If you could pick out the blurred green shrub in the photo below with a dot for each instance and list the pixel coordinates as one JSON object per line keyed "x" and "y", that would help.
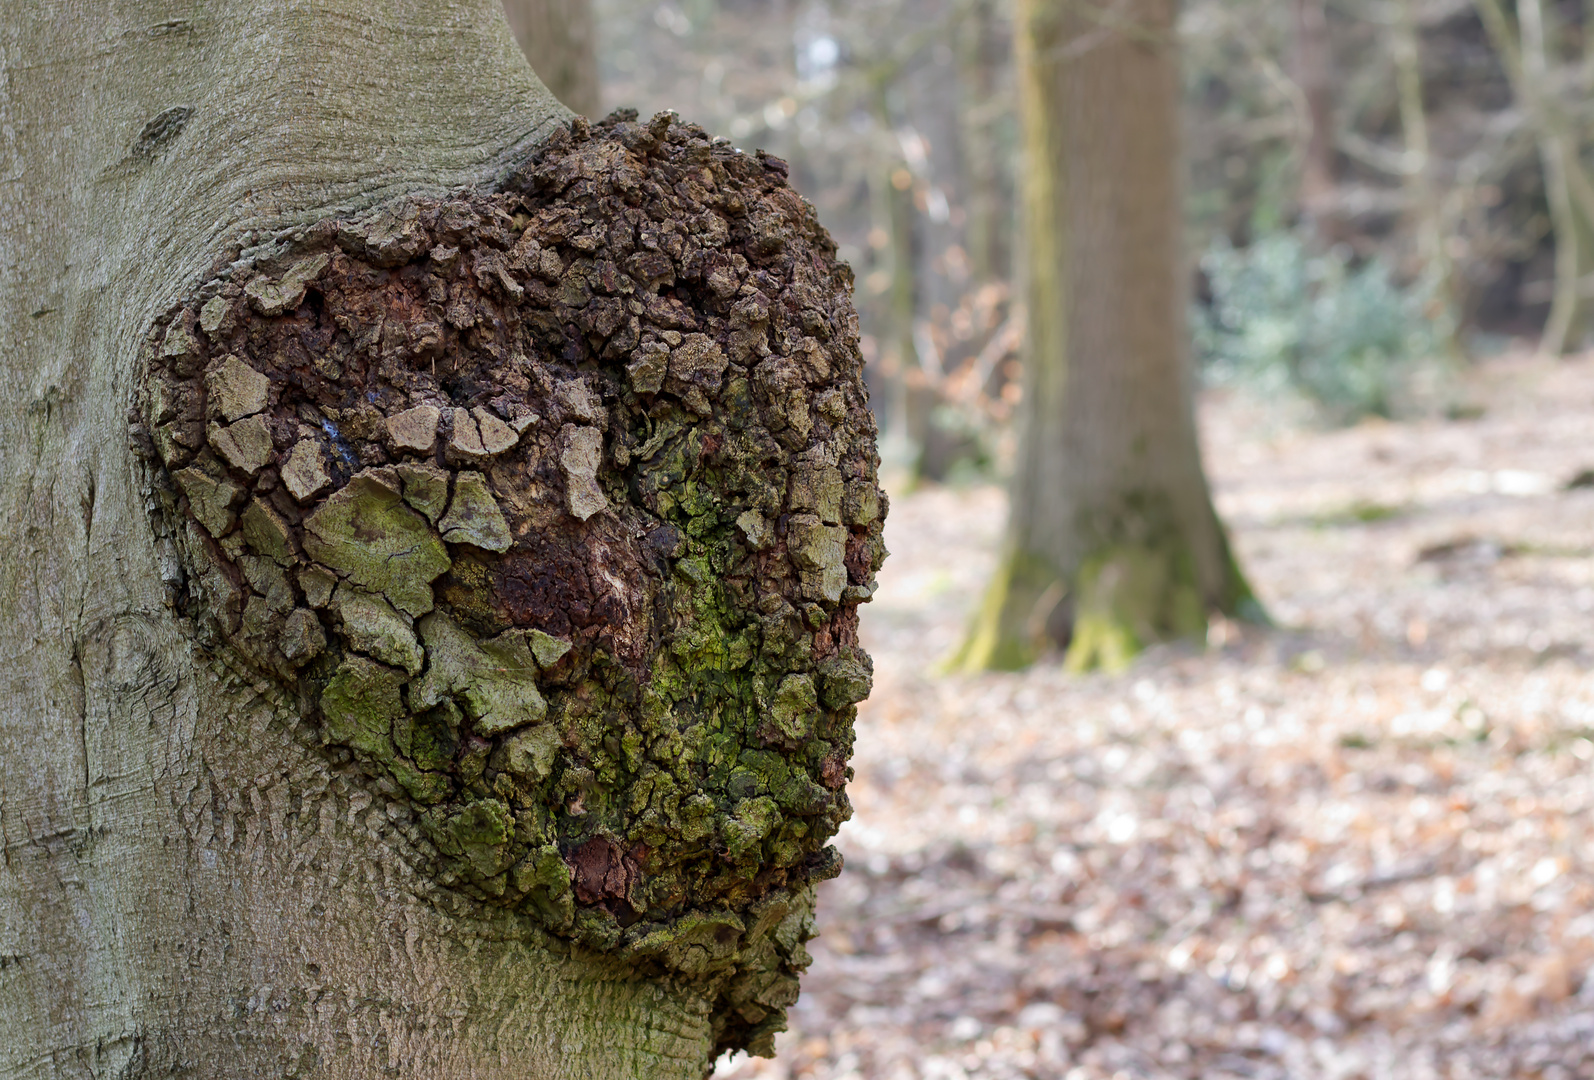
{"x": 1285, "y": 320}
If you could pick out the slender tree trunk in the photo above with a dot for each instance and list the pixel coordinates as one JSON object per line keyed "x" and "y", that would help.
{"x": 977, "y": 65}
{"x": 1567, "y": 187}
{"x": 210, "y": 870}
{"x": 1426, "y": 207}
{"x": 561, "y": 42}
{"x": 1313, "y": 63}
{"x": 1112, "y": 540}
{"x": 1567, "y": 323}
{"x": 892, "y": 197}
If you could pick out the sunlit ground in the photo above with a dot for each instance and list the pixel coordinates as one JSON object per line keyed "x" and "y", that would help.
{"x": 1361, "y": 845}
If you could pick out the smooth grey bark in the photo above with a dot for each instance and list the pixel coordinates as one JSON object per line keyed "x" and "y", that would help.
{"x": 184, "y": 887}
{"x": 560, "y": 41}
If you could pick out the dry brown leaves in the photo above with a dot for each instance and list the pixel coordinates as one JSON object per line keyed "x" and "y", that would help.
{"x": 1361, "y": 845}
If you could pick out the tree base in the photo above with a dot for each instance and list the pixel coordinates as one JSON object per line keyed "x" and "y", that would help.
{"x": 1120, "y": 600}
{"x": 1010, "y": 630}
{"x": 1129, "y": 597}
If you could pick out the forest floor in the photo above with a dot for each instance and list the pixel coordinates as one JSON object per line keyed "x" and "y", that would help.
{"x": 1358, "y": 845}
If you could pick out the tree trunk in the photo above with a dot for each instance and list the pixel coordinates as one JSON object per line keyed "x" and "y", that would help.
{"x": 978, "y": 60}
{"x": 560, "y": 41}
{"x": 1427, "y": 208}
{"x": 1313, "y": 62}
{"x": 1112, "y": 540}
{"x": 1567, "y": 324}
{"x": 891, "y": 189}
{"x": 1567, "y": 187}
{"x": 301, "y": 773}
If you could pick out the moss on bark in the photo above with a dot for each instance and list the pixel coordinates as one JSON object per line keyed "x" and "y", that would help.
{"x": 1139, "y": 584}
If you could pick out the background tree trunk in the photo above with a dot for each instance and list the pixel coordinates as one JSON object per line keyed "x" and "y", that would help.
{"x": 187, "y": 884}
{"x": 1112, "y": 540}
{"x": 1427, "y": 205}
{"x": 1568, "y": 190}
{"x": 561, "y": 42}
{"x": 1567, "y": 324}
{"x": 903, "y": 411}
{"x": 1313, "y": 63}
{"x": 978, "y": 60}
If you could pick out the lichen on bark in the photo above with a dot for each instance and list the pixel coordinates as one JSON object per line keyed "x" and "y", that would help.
{"x": 553, "y": 506}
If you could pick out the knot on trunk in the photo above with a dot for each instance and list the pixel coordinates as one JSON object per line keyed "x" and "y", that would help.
{"x": 553, "y": 506}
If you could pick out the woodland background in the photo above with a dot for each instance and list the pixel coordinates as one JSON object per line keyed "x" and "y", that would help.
{"x": 1314, "y": 189}
{"x": 1359, "y": 843}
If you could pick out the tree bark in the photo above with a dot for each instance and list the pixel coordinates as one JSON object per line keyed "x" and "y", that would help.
{"x": 560, "y": 41}
{"x": 201, "y": 872}
{"x": 1112, "y": 541}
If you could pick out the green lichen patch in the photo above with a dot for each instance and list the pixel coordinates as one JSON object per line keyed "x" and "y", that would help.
{"x": 529, "y": 754}
{"x": 425, "y": 488}
{"x": 554, "y": 506}
{"x": 365, "y": 531}
{"x": 473, "y": 516}
{"x": 845, "y": 678}
{"x": 360, "y": 704}
{"x": 494, "y": 681}
{"x": 548, "y": 649}
{"x": 372, "y": 626}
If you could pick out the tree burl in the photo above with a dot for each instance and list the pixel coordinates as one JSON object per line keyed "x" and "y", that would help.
{"x": 551, "y": 506}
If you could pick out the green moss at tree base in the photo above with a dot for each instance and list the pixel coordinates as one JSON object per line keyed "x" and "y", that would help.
{"x": 1023, "y": 592}
{"x": 1122, "y": 598}
{"x": 1128, "y": 597}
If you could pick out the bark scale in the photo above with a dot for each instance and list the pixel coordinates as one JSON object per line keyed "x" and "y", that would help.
{"x": 198, "y": 875}
{"x": 1112, "y": 540}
